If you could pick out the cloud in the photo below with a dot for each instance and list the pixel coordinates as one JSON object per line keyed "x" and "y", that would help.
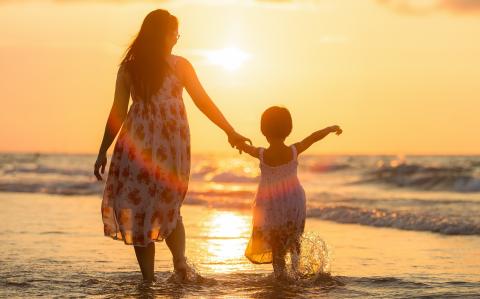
{"x": 325, "y": 6}
{"x": 401, "y": 6}
{"x": 429, "y": 6}
{"x": 86, "y": 1}
{"x": 180, "y": 1}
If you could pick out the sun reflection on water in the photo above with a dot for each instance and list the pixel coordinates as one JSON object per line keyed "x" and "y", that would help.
{"x": 228, "y": 225}
{"x": 228, "y": 234}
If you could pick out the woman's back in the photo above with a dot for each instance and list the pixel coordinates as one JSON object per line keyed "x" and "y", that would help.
{"x": 150, "y": 167}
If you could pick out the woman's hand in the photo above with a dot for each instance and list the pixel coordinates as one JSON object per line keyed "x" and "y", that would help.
{"x": 236, "y": 139}
{"x": 100, "y": 164}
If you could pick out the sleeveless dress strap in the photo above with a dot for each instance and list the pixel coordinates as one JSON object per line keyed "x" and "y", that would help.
{"x": 260, "y": 154}
{"x": 173, "y": 67}
{"x": 294, "y": 152}
{"x": 175, "y": 59}
{"x": 173, "y": 63}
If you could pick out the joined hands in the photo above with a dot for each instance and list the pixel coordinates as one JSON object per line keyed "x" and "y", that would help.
{"x": 236, "y": 140}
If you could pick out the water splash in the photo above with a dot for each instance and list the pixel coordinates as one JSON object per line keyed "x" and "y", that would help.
{"x": 191, "y": 276}
{"x": 313, "y": 261}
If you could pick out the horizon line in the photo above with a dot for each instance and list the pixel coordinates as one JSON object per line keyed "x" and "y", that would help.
{"x": 236, "y": 153}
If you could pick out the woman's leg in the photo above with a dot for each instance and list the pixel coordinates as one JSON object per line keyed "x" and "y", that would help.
{"x": 176, "y": 243}
{"x": 146, "y": 261}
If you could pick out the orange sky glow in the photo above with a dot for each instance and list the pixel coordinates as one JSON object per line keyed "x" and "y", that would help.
{"x": 400, "y": 77}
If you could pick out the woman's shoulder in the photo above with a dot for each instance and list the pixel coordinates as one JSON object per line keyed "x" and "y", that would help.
{"x": 183, "y": 68}
{"x": 181, "y": 62}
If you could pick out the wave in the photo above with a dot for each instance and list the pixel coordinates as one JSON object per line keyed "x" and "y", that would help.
{"x": 223, "y": 193}
{"x": 457, "y": 179}
{"x": 59, "y": 188}
{"x": 328, "y": 167}
{"x": 201, "y": 171}
{"x": 421, "y": 220}
{"x": 230, "y": 177}
{"x": 45, "y": 170}
{"x": 350, "y": 212}
{"x": 446, "y": 225}
{"x": 219, "y": 203}
{"x": 89, "y": 187}
{"x": 346, "y": 211}
{"x": 399, "y": 202}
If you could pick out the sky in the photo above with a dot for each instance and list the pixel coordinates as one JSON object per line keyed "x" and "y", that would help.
{"x": 400, "y": 77}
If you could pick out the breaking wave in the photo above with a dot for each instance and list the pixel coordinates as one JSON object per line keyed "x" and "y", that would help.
{"x": 397, "y": 219}
{"x": 455, "y": 179}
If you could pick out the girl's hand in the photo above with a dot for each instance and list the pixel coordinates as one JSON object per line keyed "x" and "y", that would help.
{"x": 336, "y": 129}
{"x": 236, "y": 139}
{"x": 100, "y": 163}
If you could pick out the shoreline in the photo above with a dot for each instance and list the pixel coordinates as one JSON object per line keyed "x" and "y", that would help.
{"x": 59, "y": 239}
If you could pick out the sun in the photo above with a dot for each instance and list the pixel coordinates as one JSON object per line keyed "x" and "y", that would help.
{"x": 230, "y": 58}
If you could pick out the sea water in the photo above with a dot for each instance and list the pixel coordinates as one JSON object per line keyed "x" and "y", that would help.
{"x": 423, "y": 193}
{"x": 408, "y": 227}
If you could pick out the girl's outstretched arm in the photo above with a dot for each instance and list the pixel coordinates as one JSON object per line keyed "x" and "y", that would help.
{"x": 117, "y": 115}
{"x": 316, "y": 136}
{"x": 203, "y": 101}
{"x": 249, "y": 149}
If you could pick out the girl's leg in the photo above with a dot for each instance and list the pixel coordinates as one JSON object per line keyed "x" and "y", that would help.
{"x": 295, "y": 251}
{"x": 176, "y": 244}
{"x": 278, "y": 259}
{"x": 146, "y": 261}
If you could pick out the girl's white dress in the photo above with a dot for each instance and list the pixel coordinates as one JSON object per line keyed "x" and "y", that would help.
{"x": 279, "y": 210}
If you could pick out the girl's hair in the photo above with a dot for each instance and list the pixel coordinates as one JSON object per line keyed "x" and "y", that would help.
{"x": 276, "y": 122}
{"x": 144, "y": 59}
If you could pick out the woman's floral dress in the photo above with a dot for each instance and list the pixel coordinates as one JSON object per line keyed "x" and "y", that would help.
{"x": 149, "y": 171}
{"x": 279, "y": 210}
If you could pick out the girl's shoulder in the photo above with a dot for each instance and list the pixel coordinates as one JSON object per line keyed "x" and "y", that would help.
{"x": 294, "y": 149}
{"x": 291, "y": 159}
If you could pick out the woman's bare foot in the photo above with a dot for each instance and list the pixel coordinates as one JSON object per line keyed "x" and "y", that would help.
{"x": 181, "y": 268}
{"x": 176, "y": 244}
{"x": 151, "y": 279}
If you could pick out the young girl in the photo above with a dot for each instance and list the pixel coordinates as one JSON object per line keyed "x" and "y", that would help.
{"x": 279, "y": 208}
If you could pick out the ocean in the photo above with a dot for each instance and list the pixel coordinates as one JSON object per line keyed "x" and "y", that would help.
{"x": 421, "y": 193}
{"x": 393, "y": 226}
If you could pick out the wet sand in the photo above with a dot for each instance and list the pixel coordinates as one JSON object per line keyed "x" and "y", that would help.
{"x": 54, "y": 246}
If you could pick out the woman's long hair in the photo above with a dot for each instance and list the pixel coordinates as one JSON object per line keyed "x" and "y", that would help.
{"x": 145, "y": 57}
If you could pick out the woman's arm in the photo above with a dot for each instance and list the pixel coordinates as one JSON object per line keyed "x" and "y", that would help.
{"x": 316, "y": 136}
{"x": 115, "y": 120}
{"x": 205, "y": 103}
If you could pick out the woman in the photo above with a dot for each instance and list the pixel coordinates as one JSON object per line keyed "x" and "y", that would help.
{"x": 149, "y": 172}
